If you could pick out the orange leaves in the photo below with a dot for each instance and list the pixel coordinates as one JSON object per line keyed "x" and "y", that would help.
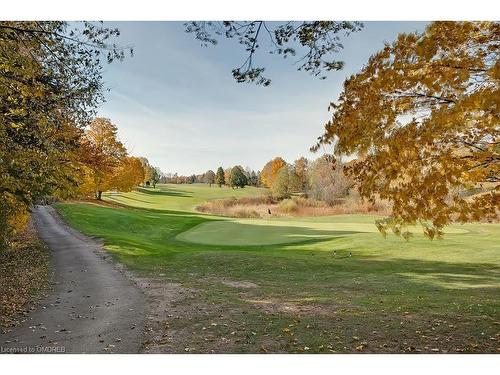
{"x": 270, "y": 171}
{"x": 105, "y": 159}
{"x": 424, "y": 113}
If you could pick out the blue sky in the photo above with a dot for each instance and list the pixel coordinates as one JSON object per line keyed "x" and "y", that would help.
{"x": 176, "y": 102}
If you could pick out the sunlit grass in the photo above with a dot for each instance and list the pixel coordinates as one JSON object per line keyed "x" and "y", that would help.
{"x": 338, "y": 263}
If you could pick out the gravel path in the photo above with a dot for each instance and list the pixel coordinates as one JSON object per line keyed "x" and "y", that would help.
{"x": 93, "y": 307}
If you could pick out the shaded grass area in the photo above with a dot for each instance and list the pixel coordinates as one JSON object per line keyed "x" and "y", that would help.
{"x": 310, "y": 296}
{"x": 24, "y": 276}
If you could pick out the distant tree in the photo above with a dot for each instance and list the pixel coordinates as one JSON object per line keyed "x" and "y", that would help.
{"x": 319, "y": 39}
{"x": 294, "y": 181}
{"x": 209, "y": 177}
{"x": 147, "y": 170}
{"x": 253, "y": 180}
{"x": 219, "y": 177}
{"x": 192, "y": 179}
{"x": 259, "y": 179}
{"x": 300, "y": 167}
{"x": 227, "y": 176}
{"x": 238, "y": 177}
{"x": 280, "y": 187}
{"x": 327, "y": 180}
{"x": 270, "y": 171}
{"x": 155, "y": 175}
{"x": 103, "y": 154}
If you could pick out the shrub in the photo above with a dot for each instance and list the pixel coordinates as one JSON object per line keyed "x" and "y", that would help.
{"x": 289, "y": 206}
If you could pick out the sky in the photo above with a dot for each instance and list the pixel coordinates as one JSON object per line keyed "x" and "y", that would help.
{"x": 176, "y": 102}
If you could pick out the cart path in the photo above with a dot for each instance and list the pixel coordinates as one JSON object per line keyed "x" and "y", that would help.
{"x": 93, "y": 306}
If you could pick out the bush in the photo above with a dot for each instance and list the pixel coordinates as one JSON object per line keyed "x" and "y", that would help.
{"x": 289, "y": 206}
{"x": 245, "y": 213}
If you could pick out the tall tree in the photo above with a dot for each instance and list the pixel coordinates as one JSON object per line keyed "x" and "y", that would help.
{"x": 227, "y": 176}
{"x": 301, "y": 166}
{"x": 155, "y": 175}
{"x": 319, "y": 40}
{"x": 220, "y": 178}
{"x": 209, "y": 177}
{"x": 280, "y": 187}
{"x": 128, "y": 174}
{"x": 422, "y": 115}
{"x": 327, "y": 181}
{"x": 253, "y": 180}
{"x": 270, "y": 171}
{"x": 50, "y": 85}
{"x": 238, "y": 177}
{"x": 147, "y": 170}
{"x": 104, "y": 154}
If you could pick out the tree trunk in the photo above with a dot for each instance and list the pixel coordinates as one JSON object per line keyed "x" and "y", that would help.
{"x": 99, "y": 195}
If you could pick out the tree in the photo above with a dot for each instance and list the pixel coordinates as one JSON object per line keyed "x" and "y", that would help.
{"x": 104, "y": 153}
{"x": 127, "y": 174}
{"x": 147, "y": 170}
{"x": 227, "y": 176}
{"x": 270, "y": 171}
{"x": 155, "y": 176}
{"x": 209, "y": 177}
{"x": 301, "y": 166}
{"x": 253, "y": 180}
{"x": 294, "y": 182}
{"x": 319, "y": 39}
{"x": 50, "y": 84}
{"x": 422, "y": 116}
{"x": 280, "y": 188}
{"x": 327, "y": 181}
{"x": 220, "y": 178}
{"x": 238, "y": 177}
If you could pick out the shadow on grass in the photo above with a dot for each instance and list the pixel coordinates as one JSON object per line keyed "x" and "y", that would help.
{"x": 146, "y": 239}
{"x": 230, "y": 233}
{"x": 165, "y": 192}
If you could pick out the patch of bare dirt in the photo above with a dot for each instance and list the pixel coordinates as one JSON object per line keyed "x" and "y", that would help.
{"x": 275, "y": 306}
{"x": 240, "y": 284}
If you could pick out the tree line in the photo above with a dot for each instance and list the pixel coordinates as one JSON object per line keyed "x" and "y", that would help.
{"x": 322, "y": 179}
{"x": 235, "y": 177}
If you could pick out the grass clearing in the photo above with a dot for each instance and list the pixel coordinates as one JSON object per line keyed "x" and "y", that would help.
{"x": 276, "y": 285}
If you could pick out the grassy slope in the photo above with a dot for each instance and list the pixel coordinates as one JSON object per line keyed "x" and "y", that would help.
{"x": 391, "y": 295}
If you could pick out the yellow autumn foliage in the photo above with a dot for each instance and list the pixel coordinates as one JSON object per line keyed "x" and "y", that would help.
{"x": 424, "y": 114}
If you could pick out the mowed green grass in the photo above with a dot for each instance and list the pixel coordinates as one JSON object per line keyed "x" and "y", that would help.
{"x": 257, "y": 232}
{"x": 178, "y": 197}
{"x": 310, "y": 295}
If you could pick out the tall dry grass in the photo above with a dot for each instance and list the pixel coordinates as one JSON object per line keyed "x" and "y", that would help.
{"x": 259, "y": 207}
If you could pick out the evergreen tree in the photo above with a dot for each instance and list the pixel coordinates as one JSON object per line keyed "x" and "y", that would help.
{"x": 219, "y": 178}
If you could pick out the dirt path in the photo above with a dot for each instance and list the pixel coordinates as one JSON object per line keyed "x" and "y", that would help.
{"x": 93, "y": 307}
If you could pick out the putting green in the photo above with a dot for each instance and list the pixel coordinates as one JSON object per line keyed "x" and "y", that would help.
{"x": 255, "y": 232}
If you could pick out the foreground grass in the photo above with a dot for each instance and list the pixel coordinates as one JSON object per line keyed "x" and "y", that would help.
{"x": 258, "y": 295}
